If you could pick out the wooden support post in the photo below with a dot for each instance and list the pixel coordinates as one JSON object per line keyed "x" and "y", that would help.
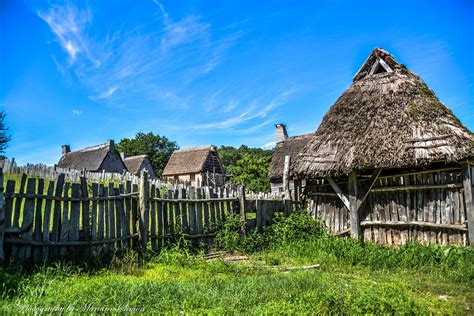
{"x": 468, "y": 197}
{"x": 143, "y": 197}
{"x": 243, "y": 219}
{"x": 286, "y": 177}
{"x": 355, "y": 223}
{"x": 2, "y": 217}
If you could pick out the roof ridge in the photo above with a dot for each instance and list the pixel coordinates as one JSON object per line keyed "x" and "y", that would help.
{"x": 206, "y": 147}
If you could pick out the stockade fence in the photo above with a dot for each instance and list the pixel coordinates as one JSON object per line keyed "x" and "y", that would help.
{"x": 44, "y": 220}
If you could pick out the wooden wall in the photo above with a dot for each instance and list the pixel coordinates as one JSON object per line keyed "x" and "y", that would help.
{"x": 428, "y": 207}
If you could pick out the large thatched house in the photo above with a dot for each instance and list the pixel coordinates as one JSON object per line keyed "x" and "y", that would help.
{"x": 196, "y": 166}
{"x": 97, "y": 158}
{"x": 390, "y": 162}
{"x": 135, "y": 164}
{"x": 285, "y": 146}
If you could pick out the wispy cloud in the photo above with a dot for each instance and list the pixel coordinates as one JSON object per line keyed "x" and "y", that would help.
{"x": 77, "y": 112}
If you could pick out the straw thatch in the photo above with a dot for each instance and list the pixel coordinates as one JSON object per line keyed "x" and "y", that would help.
{"x": 290, "y": 146}
{"x": 96, "y": 158}
{"x": 388, "y": 118}
{"x": 135, "y": 164}
{"x": 193, "y": 160}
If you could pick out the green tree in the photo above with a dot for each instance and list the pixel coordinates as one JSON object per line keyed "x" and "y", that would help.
{"x": 253, "y": 172}
{"x": 157, "y": 148}
{"x": 4, "y": 137}
{"x": 229, "y": 155}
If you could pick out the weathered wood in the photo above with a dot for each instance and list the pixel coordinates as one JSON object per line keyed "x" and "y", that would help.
{"x": 101, "y": 218}
{"x": 64, "y": 233}
{"x": 27, "y": 223}
{"x": 468, "y": 198}
{"x": 243, "y": 217}
{"x": 212, "y": 211}
{"x": 207, "y": 221}
{"x": 85, "y": 214}
{"x": 127, "y": 204}
{"x": 111, "y": 218}
{"x": 199, "y": 211}
{"x": 177, "y": 210}
{"x": 184, "y": 213}
{"x": 37, "y": 234}
{"x": 9, "y": 203}
{"x": 119, "y": 217}
{"x": 75, "y": 213}
{"x": 353, "y": 205}
{"x": 153, "y": 215}
{"x": 94, "y": 212}
{"x": 460, "y": 227}
{"x": 171, "y": 220}
{"x": 159, "y": 218}
{"x": 339, "y": 193}
{"x": 286, "y": 177}
{"x": 18, "y": 202}
{"x": 57, "y": 215}
{"x": 192, "y": 210}
{"x": 144, "y": 212}
{"x": 2, "y": 217}
{"x": 364, "y": 191}
{"x": 134, "y": 218}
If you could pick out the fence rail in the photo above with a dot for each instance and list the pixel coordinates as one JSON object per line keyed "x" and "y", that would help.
{"x": 47, "y": 219}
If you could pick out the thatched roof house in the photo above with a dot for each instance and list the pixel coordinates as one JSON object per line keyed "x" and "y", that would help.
{"x": 198, "y": 166}
{"x": 285, "y": 146}
{"x": 388, "y": 118}
{"x": 97, "y": 158}
{"x": 135, "y": 164}
{"x": 390, "y": 163}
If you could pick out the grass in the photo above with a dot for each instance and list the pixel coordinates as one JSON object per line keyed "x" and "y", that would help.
{"x": 353, "y": 278}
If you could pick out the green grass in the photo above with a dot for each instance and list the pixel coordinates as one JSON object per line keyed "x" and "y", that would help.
{"x": 353, "y": 278}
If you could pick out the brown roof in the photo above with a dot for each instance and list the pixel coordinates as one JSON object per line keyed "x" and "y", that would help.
{"x": 291, "y": 146}
{"x": 89, "y": 158}
{"x": 134, "y": 163}
{"x": 386, "y": 119}
{"x": 193, "y": 160}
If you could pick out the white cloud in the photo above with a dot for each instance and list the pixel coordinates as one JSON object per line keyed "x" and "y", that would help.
{"x": 77, "y": 112}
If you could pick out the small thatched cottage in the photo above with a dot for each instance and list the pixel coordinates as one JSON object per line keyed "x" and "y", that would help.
{"x": 196, "y": 166}
{"x": 285, "y": 146}
{"x": 97, "y": 158}
{"x": 135, "y": 164}
{"x": 390, "y": 163}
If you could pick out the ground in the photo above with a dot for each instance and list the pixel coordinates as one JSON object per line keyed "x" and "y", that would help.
{"x": 179, "y": 282}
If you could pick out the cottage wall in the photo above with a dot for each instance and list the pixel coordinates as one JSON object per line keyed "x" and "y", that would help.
{"x": 401, "y": 208}
{"x": 112, "y": 163}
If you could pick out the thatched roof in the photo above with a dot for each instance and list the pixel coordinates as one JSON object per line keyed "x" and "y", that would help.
{"x": 388, "y": 118}
{"x": 134, "y": 164}
{"x": 89, "y": 158}
{"x": 193, "y": 160}
{"x": 291, "y": 146}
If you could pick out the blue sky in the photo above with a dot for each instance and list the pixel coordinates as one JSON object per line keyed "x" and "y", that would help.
{"x": 210, "y": 72}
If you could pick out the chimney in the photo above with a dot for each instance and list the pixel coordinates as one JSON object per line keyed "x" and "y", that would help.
{"x": 281, "y": 133}
{"x": 65, "y": 149}
{"x": 111, "y": 144}
{"x": 123, "y": 156}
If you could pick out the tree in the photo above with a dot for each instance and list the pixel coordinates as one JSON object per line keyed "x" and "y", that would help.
{"x": 253, "y": 172}
{"x": 157, "y": 148}
{"x": 4, "y": 137}
{"x": 229, "y": 155}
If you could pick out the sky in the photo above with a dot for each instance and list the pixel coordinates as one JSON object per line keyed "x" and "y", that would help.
{"x": 210, "y": 72}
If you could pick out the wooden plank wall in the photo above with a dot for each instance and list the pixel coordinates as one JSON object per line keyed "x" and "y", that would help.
{"x": 427, "y": 207}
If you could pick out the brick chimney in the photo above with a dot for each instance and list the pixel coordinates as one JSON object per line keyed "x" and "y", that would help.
{"x": 111, "y": 144}
{"x": 65, "y": 149}
{"x": 281, "y": 133}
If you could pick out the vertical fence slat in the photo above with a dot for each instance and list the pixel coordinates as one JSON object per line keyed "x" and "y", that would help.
{"x": 199, "y": 208}
{"x": 184, "y": 212}
{"x": 144, "y": 211}
{"x": 134, "y": 216}
{"x": 10, "y": 189}
{"x": 127, "y": 214}
{"x": 212, "y": 211}
{"x": 166, "y": 230}
{"x": 47, "y": 220}
{"x": 54, "y": 251}
{"x": 95, "y": 205}
{"x": 153, "y": 235}
{"x": 2, "y": 218}
{"x": 206, "y": 215}
{"x": 177, "y": 211}
{"x": 28, "y": 217}
{"x": 111, "y": 218}
{"x": 118, "y": 219}
{"x": 85, "y": 214}
{"x": 101, "y": 229}
{"x": 37, "y": 234}
{"x": 160, "y": 239}
{"x": 64, "y": 230}
{"x": 170, "y": 215}
{"x": 18, "y": 202}
{"x": 75, "y": 214}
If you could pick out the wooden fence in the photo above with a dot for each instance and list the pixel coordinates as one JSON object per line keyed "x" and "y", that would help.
{"x": 431, "y": 206}
{"x": 42, "y": 219}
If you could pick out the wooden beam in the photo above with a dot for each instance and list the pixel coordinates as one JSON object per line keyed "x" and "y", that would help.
{"x": 353, "y": 203}
{"x": 143, "y": 198}
{"x": 366, "y": 190}
{"x": 468, "y": 197}
{"x": 339, "y": 193}
{"x": 286, "y": 177}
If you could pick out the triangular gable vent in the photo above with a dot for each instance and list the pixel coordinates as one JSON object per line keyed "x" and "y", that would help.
{"x": 380, "y": 67}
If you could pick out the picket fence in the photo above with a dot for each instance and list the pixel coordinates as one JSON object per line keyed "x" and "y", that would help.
{"x": 43, "y": 219}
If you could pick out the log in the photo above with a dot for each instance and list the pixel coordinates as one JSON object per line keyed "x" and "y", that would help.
{"x": 462, "y": 227}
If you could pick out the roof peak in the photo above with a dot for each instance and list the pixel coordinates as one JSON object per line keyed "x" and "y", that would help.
{"x": 379, "y": 61}
{"x": 207, "y": 147}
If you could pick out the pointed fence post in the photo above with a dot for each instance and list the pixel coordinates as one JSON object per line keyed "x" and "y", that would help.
{"x": 243, "y": 219}
{"x": 468, "y": 197}
{"x": 143, "y": 200}
{"x": 286, "y": 177}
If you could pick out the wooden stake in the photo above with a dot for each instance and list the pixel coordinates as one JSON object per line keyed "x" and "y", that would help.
{"x": 468, "y": 197}
{"x": 353, "y": 201}
{"x": 243, "y": 220}
{"x": 143, "y": 197}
